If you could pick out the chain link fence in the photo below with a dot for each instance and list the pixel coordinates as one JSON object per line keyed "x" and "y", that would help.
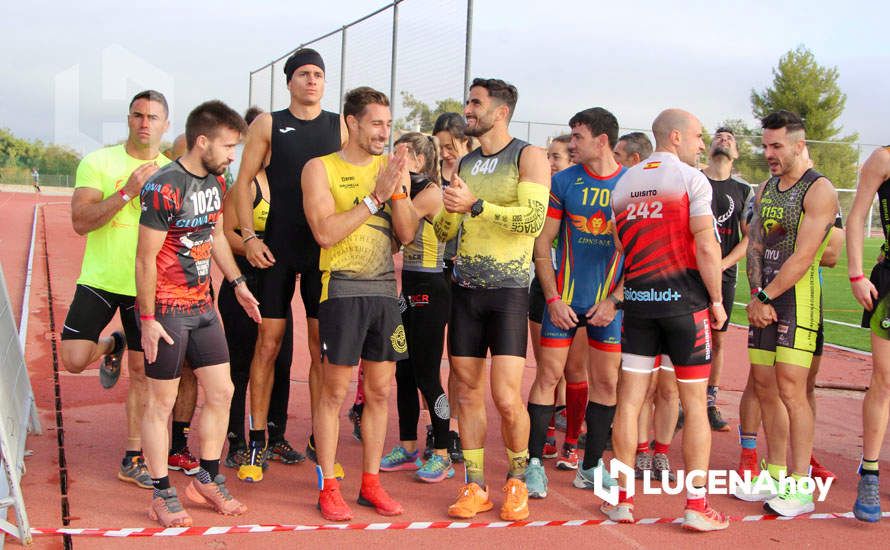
{"x": 415, "y": 51}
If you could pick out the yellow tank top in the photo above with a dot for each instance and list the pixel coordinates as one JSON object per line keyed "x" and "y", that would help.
{"x": 361, "y": 264}
{"x": 260, "y": 211}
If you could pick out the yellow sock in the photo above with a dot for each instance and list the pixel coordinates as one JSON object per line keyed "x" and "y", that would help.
{"x": 517, "y": 463}
{"x": 776, "y": 471}
{"x": 474, "y": 462}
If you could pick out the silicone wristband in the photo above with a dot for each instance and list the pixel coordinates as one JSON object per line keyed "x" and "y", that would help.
{"x": 399, "y": 196}
{"x": 146, "y": 317}
{"x": 124, "y": 195}
{"x": 857, "y": 278}
{"x": 551, "y": 300}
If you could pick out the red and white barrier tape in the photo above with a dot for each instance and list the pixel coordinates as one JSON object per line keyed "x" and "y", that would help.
{"x": 414, "y": 525}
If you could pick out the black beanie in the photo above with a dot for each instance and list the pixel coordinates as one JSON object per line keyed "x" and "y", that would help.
{"x": 304, "y": 56}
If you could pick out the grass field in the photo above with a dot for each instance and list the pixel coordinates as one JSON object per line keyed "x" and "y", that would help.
{"x": 837, "y": 299}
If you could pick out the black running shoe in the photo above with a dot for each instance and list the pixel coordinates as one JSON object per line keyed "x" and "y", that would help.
{"x": 282, "y": 451}
{"x": 430, "y": 443}
{"x": 110, "y": 369}
{"x": 716, "y": 420}
{"x": 454, "y": 449}
{"x": 355, "y": 416}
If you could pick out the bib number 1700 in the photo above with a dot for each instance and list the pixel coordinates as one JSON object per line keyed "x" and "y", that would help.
{"x": 644, "y": 210}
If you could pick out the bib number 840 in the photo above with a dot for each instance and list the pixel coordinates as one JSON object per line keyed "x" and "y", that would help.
{"x": 644, "y": 210}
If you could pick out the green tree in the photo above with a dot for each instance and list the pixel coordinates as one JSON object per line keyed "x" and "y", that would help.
{"x": 803, "y": 86}
{"x": 422, "y": 116}
{"x": 18, "y": 156}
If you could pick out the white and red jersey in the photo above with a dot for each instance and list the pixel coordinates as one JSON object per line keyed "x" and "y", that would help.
{"x": 652, "y": 205}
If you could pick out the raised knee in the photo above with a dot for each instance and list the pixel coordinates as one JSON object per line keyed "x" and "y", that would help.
{"x": 75, "y": 363}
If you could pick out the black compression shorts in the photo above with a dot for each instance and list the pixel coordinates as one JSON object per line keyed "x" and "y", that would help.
{"x": 364, "y": 327}
{"x": 278, "y": 282}
{"x": 685, "y": 339}
{"x": 198, "y": 338}
{"x": 92, "y": 309}
{"x": 488, "y": 319}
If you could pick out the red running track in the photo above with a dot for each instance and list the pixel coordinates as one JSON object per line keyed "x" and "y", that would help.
{"x": 94, "y": 437}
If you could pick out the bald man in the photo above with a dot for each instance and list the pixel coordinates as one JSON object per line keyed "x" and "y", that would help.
{"x": 672, "y": 298}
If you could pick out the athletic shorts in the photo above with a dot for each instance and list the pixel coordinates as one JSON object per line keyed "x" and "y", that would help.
{"x": 91, "y": 311}
{"x": 363, "y": 327}
{"x": 878, "y": 320}
{"x": 486, "y": 319}
{"x": 683, "y": 341}
{"x": 197, "y": 337}
{"x": 279, "y": 281}
{"x": 820, "y": 341}
{"x": 607, "y": 338}
{"x": 792, "y": 339}
{"x": 728, "y": 299}
{"x": 536, "y": 302}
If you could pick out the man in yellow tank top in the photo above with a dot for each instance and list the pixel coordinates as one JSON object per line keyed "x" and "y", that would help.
{"x": 498, "y": 203}
{"x": 356, "y": 204}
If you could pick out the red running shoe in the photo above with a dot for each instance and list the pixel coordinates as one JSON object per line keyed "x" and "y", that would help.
{"x": 748, "y": 462}
{"x": 375, "y": 496}
{"x": 331, "y": 503}
{"x": 183, "y": 460}
{"x": 817, "y": 470}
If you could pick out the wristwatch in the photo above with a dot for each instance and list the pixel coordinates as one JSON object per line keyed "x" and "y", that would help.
{"x": 476, "y": 209}
{"x": 762, "y": 296}
{"x": 237, "y": 281}
{"x": 615, "y": 301}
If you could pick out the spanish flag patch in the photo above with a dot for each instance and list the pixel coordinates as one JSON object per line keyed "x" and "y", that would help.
{"x": 652, "y": 165}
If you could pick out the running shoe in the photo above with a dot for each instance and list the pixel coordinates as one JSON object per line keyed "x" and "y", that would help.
{"x": 457, "y": 454}
{"x": 216, "y": 495}
{"x": 355, "y": 416}
{"x": 582, "y": 440}
{"x": 136, "y": 472}
{"x": 623, "y": 512}
{"x": 252, "y": 470}
{"x": 331, "y": 503}
{"x": 437, "y": 468}
{"x": 707, "y": 520}
{"x": 762, "y": 488}
{"x": 168, "y": 511}
{"x": 792, "y": 502}
{"x": 681, "y": 419}
{"x": 868, "y": 499}
{"x": 550, "y": 450}
{"x": 584, "y": 479}
{"x": 642, "y": 465}
{"x": 568, "y": 458}
{"x": 236, "y": 456}
{"x": 339, "y": 473}
{"x": 282, "y": 451}
{"x": 110, "y": 369}
{"x": 661, "y": 464}
{"x": 376, "y": 497}
{"x": 536, "y": 479}
{"x": 515, "y": 507}
{"x": 399, "y": 459}
{"x": 748, "y": 463}
{"x": 562, "y": 422}
{"x": 430, "y": 443}
{"x": 471, "y": 500}
{"x": 716, "y": 420}
{"x": 817, "y": 470}
{"x": 183, "y": 460}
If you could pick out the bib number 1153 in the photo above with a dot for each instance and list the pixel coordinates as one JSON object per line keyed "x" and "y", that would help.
{"x": 644, "y": 210}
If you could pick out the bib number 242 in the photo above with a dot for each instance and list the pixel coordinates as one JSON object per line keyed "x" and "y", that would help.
{"x": 644, "y": 210}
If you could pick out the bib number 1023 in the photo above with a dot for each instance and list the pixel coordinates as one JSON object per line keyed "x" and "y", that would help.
{"x": 644, "y": 210}
{"x": 206, "y": 201}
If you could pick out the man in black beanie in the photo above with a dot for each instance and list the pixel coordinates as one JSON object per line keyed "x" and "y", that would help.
{"x": 282, "y": 142}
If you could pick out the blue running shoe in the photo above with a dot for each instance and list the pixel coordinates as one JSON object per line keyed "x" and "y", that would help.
{"x": 437, "y": 468}
{"x": 584, "y": 479}
{"x": 399, "y": 459}
{"x": 868, "y": 499}
{"x": 536, "y": 479}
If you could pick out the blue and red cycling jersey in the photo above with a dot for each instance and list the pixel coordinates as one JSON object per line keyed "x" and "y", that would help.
{"x": 588, "y": 265}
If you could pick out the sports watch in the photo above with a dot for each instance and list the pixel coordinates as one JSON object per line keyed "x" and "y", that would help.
{"x": 476, "y": 209}
{"x": 762, "y": 296}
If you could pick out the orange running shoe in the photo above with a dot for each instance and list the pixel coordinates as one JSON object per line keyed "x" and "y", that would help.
{"x": 375, "y": 496}
{"x": 216, "y": 495}
{"x": 471, "y": 500}
{"x": 168, "y": 511}
{"x": 331, "y": 503}
{"x": 515, "y": 506}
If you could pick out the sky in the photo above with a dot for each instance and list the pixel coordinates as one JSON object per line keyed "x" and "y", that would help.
{"x": 68, "y": 70}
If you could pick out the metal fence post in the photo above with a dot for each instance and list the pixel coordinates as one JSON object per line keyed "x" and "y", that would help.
{"x": 342, "y": 67}
{"x": 250, "y": 90}
{"x": 271, "y": 87}
{"x": 392, "y": 70}
{"x": 468, "y": 49}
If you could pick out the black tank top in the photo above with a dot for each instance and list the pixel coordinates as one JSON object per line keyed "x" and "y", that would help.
{"x": 884, "y": 209}
{"x": 294, "y": 142}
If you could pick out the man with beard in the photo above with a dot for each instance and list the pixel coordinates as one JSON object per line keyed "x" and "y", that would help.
{"x": 359, "y": 204}
{"x": 729, "y": 197}
{"x": 181, "y": 205}
{"x": 498, "y": 203}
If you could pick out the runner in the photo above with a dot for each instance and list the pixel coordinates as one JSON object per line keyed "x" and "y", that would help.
{"x": 793, "y": 213}
{"x": 354, "y": 218}
{"x": 730, "y": 195}
{"x": 560, "y": 158}
{"x": 632, "y": 149}
{"x": 662, "y": 209}
{"x": 497, "y": 202}
{"x": 579, "y": 295}
{"x": 181, "y": 205}
{"x": 874, "y": 295}
{"x": 35, "y": 179}
{"x": 425, "y": 303}
{"x": 241, "y": 333}
{"x": 102, "y": 208}
{"x": 282, "y": 142}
